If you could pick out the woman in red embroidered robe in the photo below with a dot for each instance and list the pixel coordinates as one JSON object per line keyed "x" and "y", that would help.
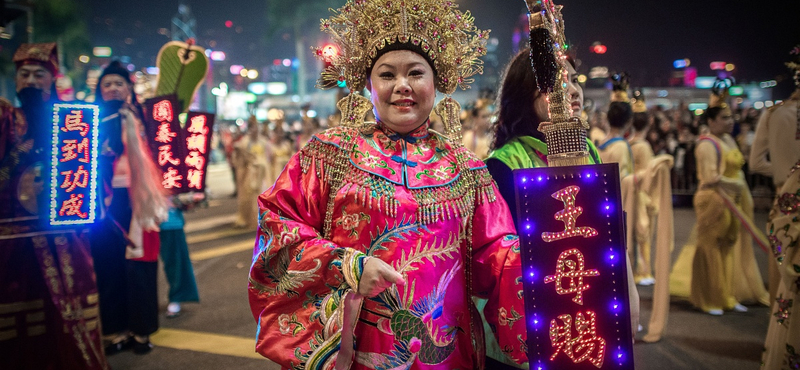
{"x": 374, "y": 238}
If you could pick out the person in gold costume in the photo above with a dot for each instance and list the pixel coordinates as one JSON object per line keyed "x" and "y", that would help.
{"x": 614, "y": 148}
{"x": 281, "y": 144}
{"x": 476, "y": 137}
{"x": 782, "y": 346}
{"x": 642, "y": 155}
{"x": 774, "y": 135}
{"x": 776, "y": 146}
{"x": 250, "y": 159}
{"x": 717, "y": 270}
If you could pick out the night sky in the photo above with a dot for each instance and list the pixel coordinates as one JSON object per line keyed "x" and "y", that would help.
{"x": 643, "y": 37}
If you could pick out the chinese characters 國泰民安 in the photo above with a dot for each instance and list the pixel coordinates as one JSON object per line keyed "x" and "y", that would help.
{"x": 162, "y": 113}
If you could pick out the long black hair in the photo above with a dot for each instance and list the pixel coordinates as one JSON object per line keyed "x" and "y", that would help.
{"x": 516, "y": 115}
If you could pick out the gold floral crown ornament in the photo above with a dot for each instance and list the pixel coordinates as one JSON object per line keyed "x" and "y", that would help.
{"x": 362, "y": 28}
{"x": 719, "y": 92}
{"x": 565, "y": 135}
{"x": 619, "y": 91}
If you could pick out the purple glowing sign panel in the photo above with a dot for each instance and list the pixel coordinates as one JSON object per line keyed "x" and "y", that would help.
{"x": 575, "y": 277}
{"x": 73, "y": 164}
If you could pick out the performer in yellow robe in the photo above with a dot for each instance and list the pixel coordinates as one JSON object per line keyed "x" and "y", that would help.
{"x": 644, "y": 216}
{"x": 776, "y": 147}
{"x": 614, "y": 148}
{"x": 476, "y": 137}
{"x": 250, "y": 160}
{"x": 782, "y": 347}
{"x": 717, "y": 269}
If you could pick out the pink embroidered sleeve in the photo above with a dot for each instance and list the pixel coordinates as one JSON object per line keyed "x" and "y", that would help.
{"x": 297, "y": 277}
{"x": 498, "y": 274}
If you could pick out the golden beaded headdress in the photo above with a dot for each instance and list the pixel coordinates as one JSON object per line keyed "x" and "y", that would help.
{"x": 565, "y": 135}
{"x": 719, "y": 92}
{"x": 637, "y": 102}
{"x": 362, "y": 28}
{"x": 619, "y": 90}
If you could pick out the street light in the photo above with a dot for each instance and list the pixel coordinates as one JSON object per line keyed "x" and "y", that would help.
{"x": 102, "y": 51}
{"x": 681, "y": 63}
{"x": 717, "y": 66}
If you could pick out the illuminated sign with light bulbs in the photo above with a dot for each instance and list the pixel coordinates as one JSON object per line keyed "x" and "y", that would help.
{"x": 166, "y": 142}
{"x": 73, "y": 168}
{"x": 575, "y": 276}
{"x": 181, "y": 153}
{"x": 198, "y": 131}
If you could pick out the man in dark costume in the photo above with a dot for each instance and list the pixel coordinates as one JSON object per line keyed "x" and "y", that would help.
{"x": 48, "y": 293}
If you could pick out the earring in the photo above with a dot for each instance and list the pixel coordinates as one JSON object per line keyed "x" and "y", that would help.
{"x": 354, "y": 108}
{"x": 449, "y": 110}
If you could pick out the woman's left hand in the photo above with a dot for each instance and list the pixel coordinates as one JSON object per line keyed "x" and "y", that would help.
{"x": 377, "y": 277}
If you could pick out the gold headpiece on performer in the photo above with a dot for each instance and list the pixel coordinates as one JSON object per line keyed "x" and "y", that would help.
{"x": 637, "y": 102}
{"x": 43, "y": 54}
{"x": 363, "y": 28}
{"x": 719, "y": 92}
{"x": 620, "y": 83}
{"x": 565, "y": 135}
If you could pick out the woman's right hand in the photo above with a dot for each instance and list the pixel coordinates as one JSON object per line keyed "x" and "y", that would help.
{"x": 377, "y": 277}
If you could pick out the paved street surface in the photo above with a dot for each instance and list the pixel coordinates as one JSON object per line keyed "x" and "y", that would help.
{"x": 218, "y": 332}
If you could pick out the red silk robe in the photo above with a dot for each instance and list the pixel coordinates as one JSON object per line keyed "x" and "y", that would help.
{"x": 423, "y": 205}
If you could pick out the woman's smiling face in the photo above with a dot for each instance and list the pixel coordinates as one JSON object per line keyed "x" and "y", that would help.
{"x": 402, "y": 88}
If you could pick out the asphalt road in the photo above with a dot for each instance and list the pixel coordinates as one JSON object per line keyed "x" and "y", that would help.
{"x": 218, "y": 332}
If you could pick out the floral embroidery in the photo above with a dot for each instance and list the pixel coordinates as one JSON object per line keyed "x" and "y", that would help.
{"x": 421, "y": 149}
{"x": 386, "y": 143}
{"x": 788, "y": 203}
{"x": 349, "y": 222}
{"x": 289, "y": 237}
{"x": 372, "y": 161}
{"x": 441, "y": 173}
{"x": 792, "y": 357}
{"x": 503, "y": 318}
{"x": 285, "y": 322}
{"x": 777, "y": 247}
{"x": 784, "y": 309}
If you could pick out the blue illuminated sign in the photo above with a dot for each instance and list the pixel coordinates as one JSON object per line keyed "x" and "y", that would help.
{"x": 73, "y": 169}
